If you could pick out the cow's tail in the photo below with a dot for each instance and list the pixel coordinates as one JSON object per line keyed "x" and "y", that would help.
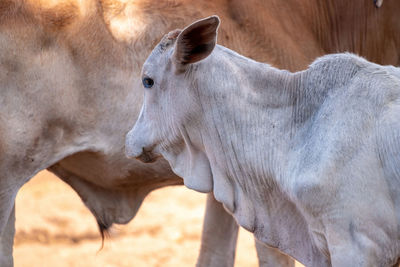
{"x": 104, "y": 231}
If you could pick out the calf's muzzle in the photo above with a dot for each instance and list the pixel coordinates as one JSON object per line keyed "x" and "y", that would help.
{"x": 137, "y": 146}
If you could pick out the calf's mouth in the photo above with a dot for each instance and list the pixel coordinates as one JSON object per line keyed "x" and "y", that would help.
{"x": 148, "y": 156}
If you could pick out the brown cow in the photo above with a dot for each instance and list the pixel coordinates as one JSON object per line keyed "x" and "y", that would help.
{"x": 70, "y": 73}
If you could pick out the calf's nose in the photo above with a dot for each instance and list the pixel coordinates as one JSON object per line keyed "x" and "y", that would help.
{"x": 133, "y": 144}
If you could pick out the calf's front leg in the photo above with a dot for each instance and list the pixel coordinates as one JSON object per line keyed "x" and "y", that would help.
{"x": 218, "y": 244}
{"x": 218, "y": 240}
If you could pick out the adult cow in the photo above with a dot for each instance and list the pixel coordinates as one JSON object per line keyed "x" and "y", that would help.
{"x": 68, "y": 80}
{"x": 308, "y": 161}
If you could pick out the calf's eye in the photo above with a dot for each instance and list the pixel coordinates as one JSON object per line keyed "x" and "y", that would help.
{"x": 147, "y": 82}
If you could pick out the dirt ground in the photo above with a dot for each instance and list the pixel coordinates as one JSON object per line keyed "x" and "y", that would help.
{"x": 54, "y": 228}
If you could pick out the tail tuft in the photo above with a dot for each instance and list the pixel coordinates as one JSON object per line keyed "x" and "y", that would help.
{"x": 103, "y": 228}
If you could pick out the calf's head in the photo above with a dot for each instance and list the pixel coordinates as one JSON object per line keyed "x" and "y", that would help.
{"x": 171, "y": 107}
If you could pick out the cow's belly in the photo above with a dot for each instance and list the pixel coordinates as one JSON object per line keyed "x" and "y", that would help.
{"x": 116, "y": 171}
{"x": 112, "y": 187}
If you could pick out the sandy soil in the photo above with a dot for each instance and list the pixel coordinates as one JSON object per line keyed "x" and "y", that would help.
{"x": 54, "y": 228}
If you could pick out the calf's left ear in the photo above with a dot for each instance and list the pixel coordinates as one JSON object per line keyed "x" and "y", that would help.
{"x": 196, "y": 41}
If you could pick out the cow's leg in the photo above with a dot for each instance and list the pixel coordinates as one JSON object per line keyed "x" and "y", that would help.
{"x": 7, "y": 241}
{"x": 218, "y": 242}
{"x": 7, "y": 225}
{"x": 270, "y": 257}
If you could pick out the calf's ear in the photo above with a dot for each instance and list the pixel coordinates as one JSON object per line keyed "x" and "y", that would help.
{"x": 196, "y": 41}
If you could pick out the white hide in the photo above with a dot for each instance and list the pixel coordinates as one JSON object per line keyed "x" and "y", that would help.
{"x": 308, "y": 161}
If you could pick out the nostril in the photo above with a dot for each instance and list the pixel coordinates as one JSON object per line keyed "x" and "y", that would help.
{"x": 147, "y": 156}
{"x": 148, "y": 149}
